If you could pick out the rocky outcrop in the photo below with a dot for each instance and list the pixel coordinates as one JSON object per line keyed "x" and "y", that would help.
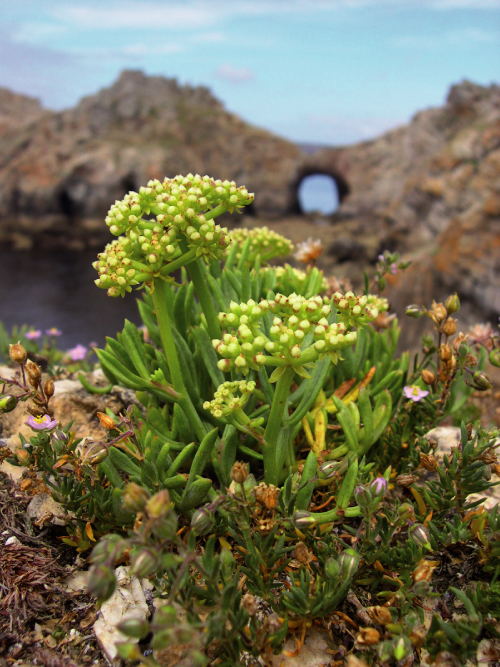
{"x": 60, "y": 172}
{"x": 430, "y": 188}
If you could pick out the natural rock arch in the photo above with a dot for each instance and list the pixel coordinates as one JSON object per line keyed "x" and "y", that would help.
{"x": 341, "y": 183}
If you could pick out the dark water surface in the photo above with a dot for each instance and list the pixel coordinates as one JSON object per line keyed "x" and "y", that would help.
{"x": 56, "y": 289}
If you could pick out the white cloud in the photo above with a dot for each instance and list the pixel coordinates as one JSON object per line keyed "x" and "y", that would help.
{"x": 195, "y": 14}
{"x": 31, "y": 33}
{"x": 457, "y": 37}
{"x": 235, "y": 74}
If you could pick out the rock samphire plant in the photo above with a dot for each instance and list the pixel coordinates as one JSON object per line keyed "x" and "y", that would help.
{"x": 275, "y": 472}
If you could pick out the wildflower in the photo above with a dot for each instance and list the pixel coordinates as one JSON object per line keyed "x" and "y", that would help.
{"x": 309, "y": 251}
{"x": 481, "y": 334}
{"x": 414, "y": 393}
{"x": 393, "y": 269}
{"x": 44, "y": 423}
{"x": 378, "y": 486}
{"x": 33, "y": 335}
{"x": 54, "y": 331}
{"x": 78, "y": 353}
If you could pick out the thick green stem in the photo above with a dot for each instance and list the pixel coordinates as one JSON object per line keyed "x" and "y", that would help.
{"x": 184, "y": 259}
{"x": 167, "y": 339}
{"x": 215, "y": 212}
{"x": 274, "y": 424}
{"x": 205, "y": 299}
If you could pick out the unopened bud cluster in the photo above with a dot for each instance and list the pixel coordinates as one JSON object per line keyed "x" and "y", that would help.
{"x": 145, "y": 246}
{"x": 263, "y": 242}
{"x": 225, "y": 399}
{"x": 298, "y": 323}
{"x": 357, "y": 310}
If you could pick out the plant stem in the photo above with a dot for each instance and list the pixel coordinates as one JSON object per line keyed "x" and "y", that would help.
{"x": 215, "y": 212}
{"x": 205, "y": 299}
{"x": 167, "y": 339}
{"x": 184, "y": 259}
{"x": 273, "y": 427}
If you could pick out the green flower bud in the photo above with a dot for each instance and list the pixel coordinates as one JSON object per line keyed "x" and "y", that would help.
{"x": 414, "y": 311}
{"x": 348, "y": 563}
{"x": 202, "y": 521}
{"x": 128, "y": 651}
{"x": 133, "y": 626}
{"x": 144, "y": 563}
{"x": 452, "y": 304}
{"x": 402, "y": 647}
{"x": 332, "y": 568}
{"x": 494, "y": 357}
{"x": 159, "y": 504}
{"x": 8, "y": 403}
{"x": 303, "y": 520}
{"x": 420, "y": 535}
{"x": 481, "y": 382}
{"x": 101, "y": 582}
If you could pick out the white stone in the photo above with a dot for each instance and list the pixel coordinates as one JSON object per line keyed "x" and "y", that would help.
{"x": 127, "y": 600}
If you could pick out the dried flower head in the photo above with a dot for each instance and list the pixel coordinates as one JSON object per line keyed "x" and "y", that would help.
{"x": 249, "y": 605}
{"x": 302, "y": 554}
{"x": 266, "y": 495}
{"x": 380, "y": 615}
{"x": 424, "y": 570}
{"x": 239, "y": 472}
{"x": 309, "y": 251}
{"x": 429, "y": 462}
{"x": 17, "y": 353}
{"x": 106, "y": 421}
{"x": 368, "y": 636}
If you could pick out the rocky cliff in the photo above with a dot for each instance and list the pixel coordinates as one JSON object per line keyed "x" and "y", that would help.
{"x": 430, "y": 188}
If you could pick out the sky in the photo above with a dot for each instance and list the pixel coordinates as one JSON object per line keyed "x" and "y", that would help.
{"x": 321, "y": 71}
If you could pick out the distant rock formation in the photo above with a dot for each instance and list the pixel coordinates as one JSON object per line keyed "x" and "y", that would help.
{"x": 430, "y": 188}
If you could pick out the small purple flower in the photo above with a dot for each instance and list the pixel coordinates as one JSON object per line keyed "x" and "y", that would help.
{"x": 93, "y": 345}
{"x": 381, "y": 258}
{"x": 393, "y": 269}
{"x": 44, "y": 423}
{"x": 54, "y": 331}
{"x": 78, "y": 353}
{"x": 378, "y": 486}
{"x": 33, "y": 335}
{"x": 414, "y": 393}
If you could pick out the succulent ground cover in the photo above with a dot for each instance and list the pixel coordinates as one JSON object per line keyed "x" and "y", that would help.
{"x": 275, "y": 473}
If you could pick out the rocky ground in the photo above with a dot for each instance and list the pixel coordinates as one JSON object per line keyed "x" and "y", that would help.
{"x": 46, "y": 618}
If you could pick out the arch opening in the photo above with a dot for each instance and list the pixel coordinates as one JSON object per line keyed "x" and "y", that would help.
{"x": 316, "y": 191}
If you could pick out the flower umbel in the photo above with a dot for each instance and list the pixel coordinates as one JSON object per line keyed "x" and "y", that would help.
{"x": 44, "y": 423}
{"x": 414, "y": 393}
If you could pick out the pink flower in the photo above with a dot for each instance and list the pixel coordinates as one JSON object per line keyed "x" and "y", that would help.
{"x": 33, "y": 335}
{"x": 78, "y": 353}
{"x": 44, "y": 423}
{"x": 414, "y": 393}
{"x": 53, "y": 332}
{"x": 393, "y": 269}
{"x": 378, "y": 486}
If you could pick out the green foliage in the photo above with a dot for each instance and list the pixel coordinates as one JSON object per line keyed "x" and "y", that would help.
{"x": 274, "y": 462}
